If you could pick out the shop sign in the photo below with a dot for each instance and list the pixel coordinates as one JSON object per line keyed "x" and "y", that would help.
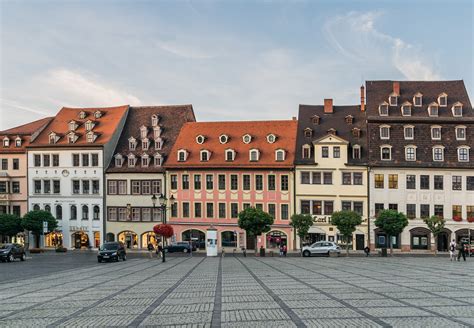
{"x": 73, "y": 228}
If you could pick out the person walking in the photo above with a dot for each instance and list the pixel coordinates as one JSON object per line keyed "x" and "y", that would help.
{"x": 159, "y": 250}
{"x": 452, "y": 250}
{"x": 367, "y": 251}
{"x": 462, "y": 250}
{"x": 151, "y": 248}
{"x": 281, "y": 250}
{"x": 285, "y": 249}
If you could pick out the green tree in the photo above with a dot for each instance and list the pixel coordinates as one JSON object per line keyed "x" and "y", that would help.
{"x": 392, "y": 223}
{"x": 255, "y": 222}
{"x": 301, "y": 223}
{"x": 436, "y": 225}
{"x": 346, "y": 222}
{"x": 33, "y": 222}
{"x": 10, "y": 225}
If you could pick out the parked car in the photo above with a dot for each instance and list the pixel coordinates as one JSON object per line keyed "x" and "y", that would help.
{"x": 321, "y": 247}
{"x": 181, "y": 246}
{"x": 112, "y": 251}
{"x": 10, "y": 252}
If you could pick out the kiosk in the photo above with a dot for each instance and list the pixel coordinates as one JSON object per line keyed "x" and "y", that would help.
{"x": 211, "y": 242}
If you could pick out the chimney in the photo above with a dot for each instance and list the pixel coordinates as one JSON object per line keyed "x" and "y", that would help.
{"x": 328, "y": 106}
{"x": 362, "y": 98}
{"x": 396, "y": 87}
{"x": 293, "y": 118}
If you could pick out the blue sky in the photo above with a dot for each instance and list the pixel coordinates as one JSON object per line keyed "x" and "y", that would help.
{"x": 233, "y": 60}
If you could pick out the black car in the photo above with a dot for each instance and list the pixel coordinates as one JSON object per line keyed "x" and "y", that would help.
{"x": 112, "y": 251}
{"x": 10, "y": 252}
{"x": 181, "y": 247}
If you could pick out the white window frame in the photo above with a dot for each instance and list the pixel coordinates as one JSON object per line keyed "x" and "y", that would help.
{"x": 72, "y": 125}
{"x": 385, "y": 105}
{"x": 442, "y": 153}
{"x": 90, "y": 136}
{"x": 158, "y": 160}
{"x": 131, "y": 160}
{"x": 252, "y": 152}
{"x": 414, "y": 153}
{"x": 391, "y": 97}
{"x": 89, "y": 125}
{"x": 156, "y": 132}
{"x": 459, "y": 128}
{"x": 405, "y": 105}
{"x": 143, "y": 132}
{"x": 466, "y": 148}
{"x": 443, "y": 95}
{"x": 246, "y": 136}
{"x": 418, "y": 95}
{"x": 132, "y": 143}
{"x": 227, "y": 151}
{"x": 282, "y": 153}
{"x": 223, "y": 139}
{"x": 388, "y": 130}
{"x": 118, "y": 160}
{"x": 271, "y": 138}
{"x": 306, "y": 146}
{"x": 52, "y": 138}
{"x": 145, "y": 144}
{"x": 97, "y": 114}
{"x": 434, "y": 128}
{"x": 71, "y": 138}
{"x": 431, "y": 107}
{"x": 201, "y": 154}
{"x": 453, "y": 109}
{"x": 353, "y": 153}
{"x": 200, "y": 139}
{"x": 154, "y": 120}
{"x": 159, "y": 143}
{"x": 405, "y": 129}
{"x": 145, "y": 160}
{"x": 18, "y": 142}
{"x": 82, "y": 115}
{"x": 381, "y": 152}
{"x": 185, "y": 155}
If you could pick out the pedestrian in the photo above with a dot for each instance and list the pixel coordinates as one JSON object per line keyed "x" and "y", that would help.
{"x": 159, "y": 250}
{"x": 462, "y": 250}
{"x": 281, "y": 250}
{"x": 223, "y": 252}
{"x": 150, "y": 249}
{"x": 285, "y": 249}
{"x": 244, "y": 251}
{"x": 367, "y": 251}
{"x": 452, "y": 250}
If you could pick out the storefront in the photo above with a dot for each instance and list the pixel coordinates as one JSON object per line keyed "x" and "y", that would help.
{"x": 197, "y": 236}
{"x": 80, "y": 239}
{"x": 229, "y": 239}
{"x": 54, "y": 239}
{"x": 382, "y": 241}
{"x": 420, "y": 238}
{"x": 129, "y": 238}
{"x": 276, "y": 238}
{"x": 148, "y": 237}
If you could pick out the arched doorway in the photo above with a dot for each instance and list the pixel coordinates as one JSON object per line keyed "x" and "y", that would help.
{"x": 420, "y": 238}
{"x": 197, "y": 236}
{"x": 444, "y": 238}
{"x": 129, "y": 238}
{"x": 53, "y": 239}
{"x": 276, "y": 238}
{"x": 110, "y": 236}
{"x": 381, "y": 239}
{"x": 80, "y": 239}
{"x": 464, "y": 234}
{"x": 228, "y": 239}
{"x": 96, "y": 239}
{"x": 148, "y": 237}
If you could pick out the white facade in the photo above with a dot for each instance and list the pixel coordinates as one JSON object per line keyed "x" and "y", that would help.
{"x": 85, "y": 229}
{"x": 406, "y": 191}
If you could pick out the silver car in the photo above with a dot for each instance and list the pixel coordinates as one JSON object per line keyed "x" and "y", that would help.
{"x": 321, "y": 247}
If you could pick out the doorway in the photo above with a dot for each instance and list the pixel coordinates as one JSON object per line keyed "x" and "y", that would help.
{"x": 443, "y": 242}
{"x": 360, "y": 242}
{"x": 250, "y": 241}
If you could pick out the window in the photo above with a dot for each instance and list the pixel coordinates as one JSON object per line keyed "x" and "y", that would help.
{"x": 136, "y": 187}
{"x": 378, "y": 207}
{"x": 122, "y": 187}
{"x": 135, "y": 214}
{"x": 359, "y": 208}
{"x": 6, "y": 142}
{"x": 118, "y": 160}
{"x": 336, "y": 152}
{"x": 436, "y": 133}
{"x": 156, "y": 187}
{"x": 424, "y": 182}
{"x": 3, "y": 188}
{"x": 271, "y": 138}
{"x": 457, "y": 211}
{"x": 317, "y": 207}
{"x": 52, "y": 138}
{"x": 305, "y": 207}
{"x": 112, "y": 214}
{"x": 145, "y": 160}
{"x": 15, "y": 187}
{"x": 46, "y": 160}
{"x": 346, "y": 178}
{"x": 247, "y": 138}
{"x": 197, "y": 182}
{"x": 439, "y": 210}
{"x": 17, "y": 142}
{"x": 308, "y": 133}
{"x": 85, "y": 186}
{"x": 131, "y": 160}
{"x": 433, "y": 110}
{"x": 158, "y": 143}
{"x": 393, "y": 99}
{"x": 306, "y": 151}
{"x": 356, "y": 152}
{"x": 393, "y": 181}
{"x": 463, "y": 154}
{"x": 158, "y": 160}
{"x": 460, "y": 133}
{"x": 200, "y": 139}
{"x": 234, "y": 210}
{"x": 258, "y": 182}
{"x": 284, "y": 182}
{"x": 424, "y": 211}
{"x": 438, "y": 154}
{"x": 384, "y": 132}
{"x": 409, "y": 132}
{"x": 73, "y": 212}
{"x": 443, "y": 100}
{"x": 272, "y": 210}
{"x": 209, "y": 210}
{"x": 112, "y": 187}
{"x": 411, "y": 211}
{"x": 271, "y": 182}
{"x": 197, "y": 210}
{"x": 316, "y": 178}
{"x": 76, "y": 186}
{"x": 457, "y": 182}
{"x": 346, "y": 206}
{"x": 223, "y": 139}
{"x": 122, "y": 214}
{"x": 209, "y": 182}
{"x": 146, "y": 214}
{"x": 146, "y": 187}
{"x": 222, "y": 214}
{"x": 357, "y": 178}
{"x": 185, "y": 210}
{"x": 411, "y": 182}
{"x": 438, "y": 182}
{"x": 234, "y": 182}
{"x": 469, "y": 183}
{"x": 327, "y": 178}
{"x": 246, "y": 182}
{"x": 418, "y": 100}
{"x": 4, "y": 164}
{"x": 75, "y": 159}
{"x": 383, "y": 109}
{"x": 221, "y": 181}
{"x": 457, "y": 110}
{"x": 284, "y": 214}
{"x": 96, "y": 212}
{"x": 406, "y": 110}
{"x": 132, "y": 144}
{"x": 154, "y": 120}
{"x": 56, "y": 186}
{"x": 156, "y": 133}
{"x": 85, "y": 159}
{"x": 410, "y": 153}
{"x": 46, "y": 186}
{"x": 85, "y": 212}
{"x": 393, "y": 207}
{"x": 229, "y": 155}
{"x": 90, "y": 137}
{"x": 204, "y": 155}
{"x": 470, "y": 211}
{"x": 279, "y": 155}
{"x": 174, "y": 181}
{"x": 174, "y": 210}
{"x": 182, "y": 155}
{"x": 143, "y": 132}
{"x": 328, "y": 207}
{"x": 59, "y": 212}
{"x": 305, "y": 178}
{"x": 386, "y": 153}
{"x": 37, "y": 160}
{"x": 55, "y": 159}
{"x": 254, "y": 155}
{"x": 185, "y": 181}
{"x": 379, "y": 180}
{"x": 325, "y": 152}
{"x": 72, "y": 125}
{"x": 36, "y": 207}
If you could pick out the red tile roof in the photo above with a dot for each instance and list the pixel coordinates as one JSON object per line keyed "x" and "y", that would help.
{"x": 104, "y": 127}
{"x": 25, "y": 132}
{"x": 285, "y": 132}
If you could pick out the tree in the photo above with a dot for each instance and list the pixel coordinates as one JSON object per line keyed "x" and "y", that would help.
{"x": 392, "y": 223}
{"x": 33, "y": 222}
{"x": 346, "y": 222}
{"x": 436, "y": 225}
{"x": 301, "y": 223}
{"x": 10, "y": 225}
{"x": 255, "y": 222}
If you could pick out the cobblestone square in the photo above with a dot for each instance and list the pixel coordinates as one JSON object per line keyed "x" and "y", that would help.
{"x": 245, "y": 292}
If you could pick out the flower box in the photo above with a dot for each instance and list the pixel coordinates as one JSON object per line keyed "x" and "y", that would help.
{"x": 471, "y": 219}
{"x": 457, "y": 218}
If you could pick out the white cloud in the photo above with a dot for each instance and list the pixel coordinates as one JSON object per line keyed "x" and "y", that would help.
{"x": 356, "y": 37}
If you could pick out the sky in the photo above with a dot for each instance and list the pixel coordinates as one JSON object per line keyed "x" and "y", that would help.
{"x": 232, "y": 60}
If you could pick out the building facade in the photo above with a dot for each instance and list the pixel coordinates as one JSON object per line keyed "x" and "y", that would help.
{"x": 66, "y": 166}
{"x": 136, "y": 173}
{"x": 421, "y": 136}
{"x": 13, "y": 170}
{"x": 215, "y": 170}
{"x": 330, "y": 168}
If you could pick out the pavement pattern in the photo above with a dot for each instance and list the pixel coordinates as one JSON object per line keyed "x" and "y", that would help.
{"x": 245, "y": 292}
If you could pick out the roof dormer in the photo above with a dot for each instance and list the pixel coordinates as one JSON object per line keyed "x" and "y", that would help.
{"x": 383, "y": 109}
{"x": 271, "y": 138}
{"x": 82, "y": 114}
{"x": 200, "y": 139}
{"x": 393, "y": 99}
{"x": 308, "y": 132}
{"x": 118, "y": 160}
{"x": 418, "y": 99}
{"x": 72, "y": 137}
{"x": 89, "y": 125}
{"x": 143, "y": 132}
{"x": 280, "y": 155}
{"x": 53, "y": 138}
{"x": 457, "y": 109}
{"x": 349, "y": 119}
{"x": 247, "y": 138}
{"x": 443, "y": 100}
{"x": 406, "y": 108}
{"x": 145, "y": 160}
{"x": 157, "y": 131}
{"x": 356, "y": 132}
{"x": 204, "y": 155}
{"x": 182, "y": 155}
{"x": 145, "y": 144}
{"x": 6, "y": 142}
{"x": 91, "y": 136}
{"x": 254, "y": 155}
{"x": 72, "y": 125}
{"x": 332, "y": 131}
{"x": 132, "y": 159}
{"x": 229, "y": 155}
{"x": 159, "y": 143}
{"x": 154, "y": 120}
{"x": 433, "y": 109}
{"x": 98, "y": 114}
{"x": 158, "y": 159}
{"x": 223, "y": 139}
{"x": 132, "y": 143}
{"x": 18, "y": 141}
{"x": 315, "y": 119}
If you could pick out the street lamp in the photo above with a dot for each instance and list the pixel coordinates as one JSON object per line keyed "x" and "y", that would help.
{"x": 163, "y": 205}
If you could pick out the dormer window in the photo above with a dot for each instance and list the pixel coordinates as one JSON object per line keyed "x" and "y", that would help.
{"x": 131, "y": 160}
{"x": 132, "y": 143}
{"x": 118, "y": 160}
{"x": 145, "y": 144}
{"x": 158, "y": 159}
{"x": 438, "y": 153}
{"x": 306, "y": 151}
{"x": 279, "y": 155}
{"x": 18, "y": 142}
{"x": 356, "y": 132}
{"x": 331, "y": 131}
{"x": 386, "y": 153}
{"x": 6, "y": 142}
{"x": 383, "y": 109}
{"x": 157, "y": 132}
{"x": 89, "y": 125}
{"x": 72, "y": 137}
{"x": 349, "y": 119}
{"x": 159, "y": 143}
{"x": 433, "y": 110}
{"x": 247, "y": 138}
{"x": 443, "y": 100}
{"x": 308, "y": 132}
{"x": 418, "y": 100}
{"x": 254, "y": 155}
{"x": 91, "y": 136}
{"x": 457, "y": 109}
{"x": 143, "y": 132}
{"x": 460, "y": 132}
{"x": 53, "y": 138}
{"x": 72, "y": 125}
{"x": 435, "y": 132}
{"x": 410, "y": 153}
{"x": 229, "y": 155}
{"x": 463, "y": 154}
{"x": 223, "y": 138}
{"x": 315, "y": 119}
{"x": 385, "y": 132}
{"x": 356, "y": 152}
{"x": 97, "y": 114}
{"x": 82, "y": 115}
{"x": 182, "y": 155}
{"x": 406, "y": 109}
{"x": 200, "y": 139}
{"x": 409, "y": 132}
{"x": 145, "y": 160}
{"x": 154, "y": 120}
{"x": 271, "y": 138}
{"x": 393, "y": 99}
{"x": 205, "y": 155}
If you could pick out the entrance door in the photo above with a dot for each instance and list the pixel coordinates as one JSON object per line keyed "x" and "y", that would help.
{"x": 250, "y": 242}
{"x": 77, "y": 240}
{"x": 443, "y": 242}
{"x": 360, "y": 240}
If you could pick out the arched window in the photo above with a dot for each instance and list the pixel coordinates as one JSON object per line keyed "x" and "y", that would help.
{"x": 47, "y": 208}
{"x": 205, "y": 155}
{"x": 229, "y": 155}
{"x": 279, "y": 155}
{"x": 96, "y": 212}
{"x": 59, "y": 212}
{"x": 182, "y": 155}
{"x": 73, "y": 212}
{"x": 386, "y": 153}
{"x": 229, "y": 239}
{"x": 36, "y": 207}
{"x": 306, "y": 151}
{"x": 254, "y": 155}
{"x": 460, "y": 132}
{"x": 85, "y": 212}
{"x": 463, "y": 154}
{"x": 457, "y": 109}
{"x": 433, "y": 109}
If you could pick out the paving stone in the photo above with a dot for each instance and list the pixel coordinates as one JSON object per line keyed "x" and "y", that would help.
{"x": 172, "y": 319}
{"x": 395, "y": 312}
{"x": 414, "y": 322}
{"x": 346, "y": 323}
{"x": 316, "y": 313}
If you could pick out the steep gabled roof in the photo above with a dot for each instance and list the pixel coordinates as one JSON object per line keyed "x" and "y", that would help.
{"x": 26, "y": 132}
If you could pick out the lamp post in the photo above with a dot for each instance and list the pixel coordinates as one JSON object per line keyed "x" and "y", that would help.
{"x": 163, "y": 205}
